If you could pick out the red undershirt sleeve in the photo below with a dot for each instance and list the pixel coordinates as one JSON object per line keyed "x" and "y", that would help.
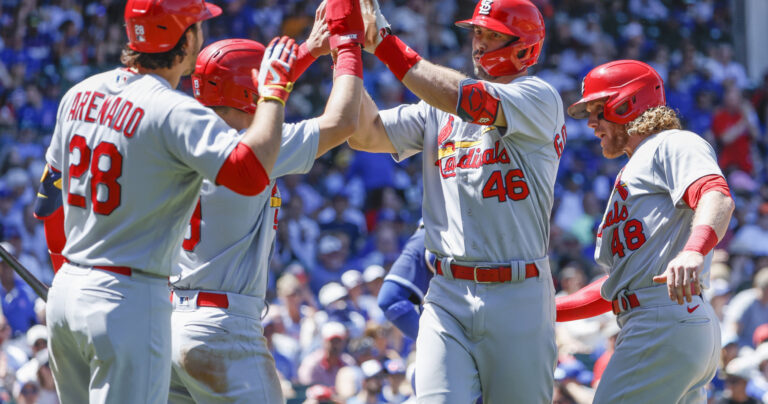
{"x": 712, "y": 182}
{"x": 242, "y": 172}
{"x": 585, "y": 303}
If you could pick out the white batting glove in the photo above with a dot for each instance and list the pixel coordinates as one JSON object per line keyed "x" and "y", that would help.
{"x": 376, "y": 26}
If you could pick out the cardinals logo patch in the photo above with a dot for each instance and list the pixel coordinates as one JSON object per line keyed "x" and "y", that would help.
{"x": 445, "y": 131}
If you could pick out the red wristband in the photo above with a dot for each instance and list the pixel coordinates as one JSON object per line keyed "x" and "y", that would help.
{"x": 349, "y": 62}
{"x": 303, "y": 60}
{"x": 702, "y": 240}
{"x": 398, "y": 56}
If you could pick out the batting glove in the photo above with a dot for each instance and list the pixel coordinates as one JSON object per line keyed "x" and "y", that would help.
{"x": 345, "y": 23}
{"x": 275, "y": 77}
{"x": 376, "y": 26}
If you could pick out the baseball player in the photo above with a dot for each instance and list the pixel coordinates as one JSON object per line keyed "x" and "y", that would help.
{"x": 404, "y": 287}
{"x": 491, "y": 148}
{"x": 130, "y": 153}
{"x": 669, "y": 207}
{"x": 220, "y": 353}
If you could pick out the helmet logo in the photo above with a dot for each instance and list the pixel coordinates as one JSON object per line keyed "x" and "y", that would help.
{"x": 196, "y": 85}
{"x": 485, "y": 7}
{"x": 582, "y": 85}
{"x": 139, "y": 30}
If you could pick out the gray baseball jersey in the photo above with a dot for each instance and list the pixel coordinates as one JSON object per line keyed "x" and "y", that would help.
{"x": 133, "y": 153}
{"x": 230, "y": 238}
{"x": 647, "y": 223}
{"x": 488, "y": 193}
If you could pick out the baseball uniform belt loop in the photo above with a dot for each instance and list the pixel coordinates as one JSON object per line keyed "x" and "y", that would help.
{"x": 445, "y": 262}
{"x": 624, "y": 302}
{"x": 517, "y": 271}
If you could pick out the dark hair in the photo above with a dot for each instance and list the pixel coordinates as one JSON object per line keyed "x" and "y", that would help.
{"x": 132, "y": 58}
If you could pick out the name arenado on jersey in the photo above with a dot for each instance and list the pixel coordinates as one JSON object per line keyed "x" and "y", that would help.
{"x": 116, "y": 113}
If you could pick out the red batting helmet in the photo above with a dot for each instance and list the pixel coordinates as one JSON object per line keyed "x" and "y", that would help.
{"x": 622, "y": 82}
{"x": 155, "y": 26}
{"x": 519, "y": 18}
{"x": 222, "y": 74}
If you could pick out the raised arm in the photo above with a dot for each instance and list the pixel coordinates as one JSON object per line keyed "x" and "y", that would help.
{"x": 340, "y": 118}
{"x": 275, "y": 82}
{"x": 711, "y": 200}
{"x": 441, "y": 87}
{"x": 370, "y": 135}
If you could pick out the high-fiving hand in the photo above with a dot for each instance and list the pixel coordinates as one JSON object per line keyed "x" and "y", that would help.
{"x": 276, "y": 75}
{"x": 345, "y": 23}
{"x": 376, "y": 26}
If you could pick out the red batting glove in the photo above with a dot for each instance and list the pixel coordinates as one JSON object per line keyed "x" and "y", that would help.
{"x": 345, "y": 23}
{"x": 276, "y": 74}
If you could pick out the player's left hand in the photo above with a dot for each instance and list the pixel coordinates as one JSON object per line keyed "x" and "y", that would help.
{"x": 317, "y": 43}
{"x": 682, "y": 276}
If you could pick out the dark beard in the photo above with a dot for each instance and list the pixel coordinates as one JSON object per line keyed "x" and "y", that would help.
{"x": 480, "y": 73}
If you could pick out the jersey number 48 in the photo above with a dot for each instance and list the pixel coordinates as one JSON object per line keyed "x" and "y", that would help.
{"x": 633, "y": 237}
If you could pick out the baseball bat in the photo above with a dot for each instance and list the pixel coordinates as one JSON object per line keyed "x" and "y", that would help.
{"x": 39, "y": 287}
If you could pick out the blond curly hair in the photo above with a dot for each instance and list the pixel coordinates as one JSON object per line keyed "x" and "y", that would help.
{"x": 654, "y": 120}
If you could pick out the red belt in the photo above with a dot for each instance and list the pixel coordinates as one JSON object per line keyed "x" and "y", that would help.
{"x": 630, "y": 302}
{"x": 127, "y": 271}
{"x": 210, "y": 299}
{"x": 488, "y": 274}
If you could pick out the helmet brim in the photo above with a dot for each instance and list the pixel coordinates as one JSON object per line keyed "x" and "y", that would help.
{"x": 213, "y": 11}
{"x": 578, "y": 110}
{"x": 489, "y": 23}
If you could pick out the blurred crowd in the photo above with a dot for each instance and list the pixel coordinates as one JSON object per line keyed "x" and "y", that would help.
{"x": 343, "y": 224}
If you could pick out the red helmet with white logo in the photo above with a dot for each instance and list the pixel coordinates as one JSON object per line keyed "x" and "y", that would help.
{"x": 222, "y": 74}
{"x": 622, "y": 82}
{"x": 155, "y": 26}
{"x": 519, "y": 18}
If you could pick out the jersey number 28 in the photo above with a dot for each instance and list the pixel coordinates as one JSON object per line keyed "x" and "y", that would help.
{"x": 105, "y": 165}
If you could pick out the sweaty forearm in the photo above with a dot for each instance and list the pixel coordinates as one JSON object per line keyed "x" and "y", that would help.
{"x": 438, "y": 86}
{"x": 714, "y": 210}
{"x": 370, "y": 135}
{"x": 340, "y": 119}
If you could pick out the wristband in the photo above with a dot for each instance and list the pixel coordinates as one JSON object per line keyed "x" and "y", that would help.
{"x": 303, "y": 60}
{"x": 398, "y": 56}
{"x": 349, "y": 62}
{"x": 702, "y": 240}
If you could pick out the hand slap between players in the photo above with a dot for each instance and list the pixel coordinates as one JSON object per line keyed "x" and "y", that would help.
{"x": 682, "y": 276}
{"x": 275, "y": 76}
{"x": 376, "y": 26}
{"x": 345, "y": 23}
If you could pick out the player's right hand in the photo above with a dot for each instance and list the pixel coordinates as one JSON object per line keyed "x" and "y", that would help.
{"x": 376, "y": 26}
{"x": 318, "y": 40}
{"x": 345, "y": 23}
{"x": 275, "y": 77}
{"x": 682, "y": 276}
